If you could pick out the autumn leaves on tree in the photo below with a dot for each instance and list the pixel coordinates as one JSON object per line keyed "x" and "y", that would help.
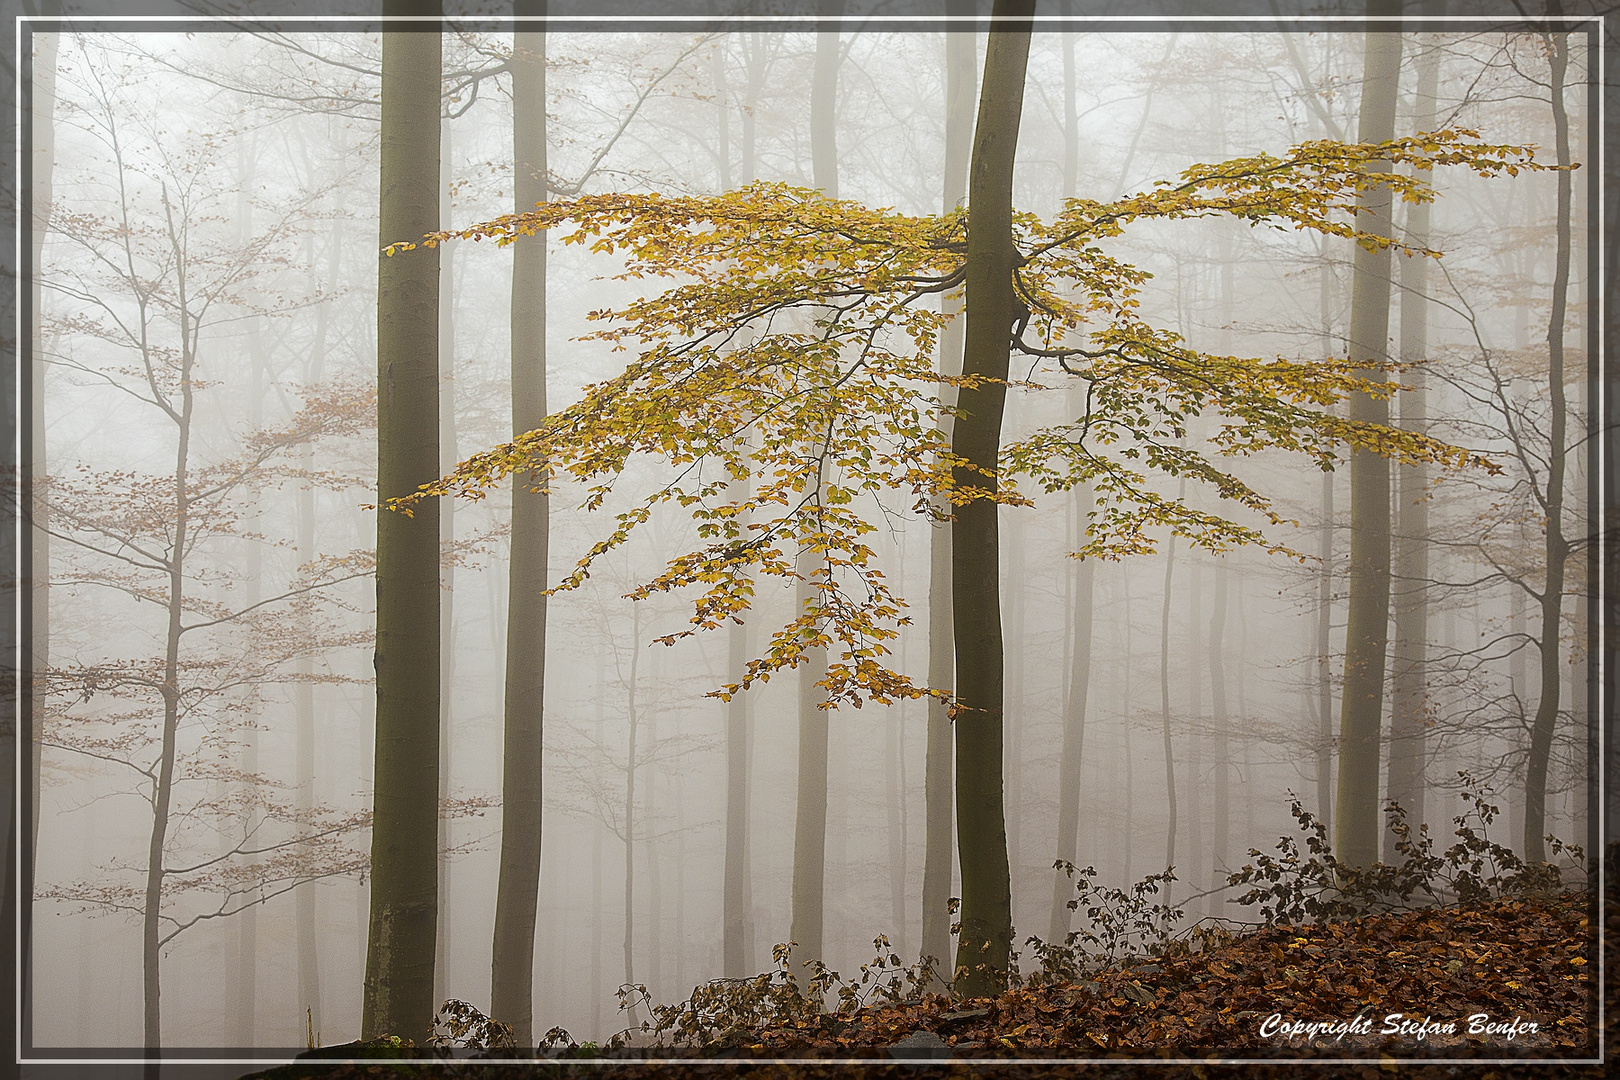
{"x": 837, "y": 415}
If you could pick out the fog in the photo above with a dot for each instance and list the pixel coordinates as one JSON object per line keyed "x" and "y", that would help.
{"x": 213, "y": 200}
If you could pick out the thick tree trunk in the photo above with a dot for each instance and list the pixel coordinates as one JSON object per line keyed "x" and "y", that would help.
{"x": 1356, "y": 816}
{"x": 960, "y": 79}
{"x": 518, "y": 892}
{"x": 1556, "y": 546}
{"x": 1408, "y": 719}
{"x": 404, "y": 878}
{"x": 985, "y": 939}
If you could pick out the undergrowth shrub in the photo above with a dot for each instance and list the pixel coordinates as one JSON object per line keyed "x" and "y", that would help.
{"x": 729, "y": 1012}
{"x": 1120, "y": 923}
{"x": 1293, "y": 887}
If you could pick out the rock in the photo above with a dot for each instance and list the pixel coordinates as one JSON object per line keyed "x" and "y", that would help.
{"x": 963, "y": 1014}
{"x": 920, "y": 1044}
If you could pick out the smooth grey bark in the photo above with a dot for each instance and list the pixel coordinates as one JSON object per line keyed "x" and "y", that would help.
{"x": 735, "y": 899}
{"x": 309, "y": 969}
{"x": 1356, "y": 816}
{"x": 518, "y": 891}
{"x": 1220, "y": 840}
{"x": 633, "y": 715}
{"x": 1012, "y": 769}
{"x": 1324, "y": 612}
{"x": 810, "y": 812}
{"x": 960, "y": 84}
{"x": 1556, "y": 547}
{"x": 1408, "y": 720}
{"x": 404, "y": 871}
{"x": 39, "y": 198}
{"x": 1195, "y": 744}
{"x": 162, "y": 788}
{"x": 1125, "y": 714}
{"x": 596, "y": 870}
{"x": 1164, "y": 710}
{"x": 1081, "y": 583}
{"x": 448, "y": 458}
{"x": 985, "y": 939}
{"x": 1074, "y": 734}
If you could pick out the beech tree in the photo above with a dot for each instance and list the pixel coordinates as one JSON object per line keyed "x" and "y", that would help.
{"x": 142, "y": 301}
{"x": 404, "y": 856}
{"x": 1356, "y": 812}
{"x": 835, "y": 419}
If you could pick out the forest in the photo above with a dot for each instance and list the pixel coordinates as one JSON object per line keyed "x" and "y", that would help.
{"x": 853, "y": 538}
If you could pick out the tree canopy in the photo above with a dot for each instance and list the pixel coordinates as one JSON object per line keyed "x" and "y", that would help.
{"x": 797, "y": 334}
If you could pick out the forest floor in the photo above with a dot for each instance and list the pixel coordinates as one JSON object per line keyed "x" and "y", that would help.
{"x": 1528, "y": 965}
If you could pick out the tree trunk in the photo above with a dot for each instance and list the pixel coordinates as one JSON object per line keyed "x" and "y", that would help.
{"x": 163, "y": 784}
{"x": 735, "y": 900}
{"x": 810, "y": 814}
{"x": 960, "y": 77}
{"x": 629, "y": 943}
{"x": 1074, "y": 732}
{"x": 1367, "y": 633}
{"x": 1223, "y": 755}
{"x": 810, "y": 822}
{"x": 309, "y": 970}
{"x": 404, "y": 871}
{"x": 1324, "y": 584}
{"x": 518, "y": 893}
{"x": 1164, "y": 711}
{"x": 985, "y": 939}
{"x": 448, "y": 458}
{"x": 1556, "y": 547}
{"x": 43, "y": 167}
{"x": 1408, "y": 718}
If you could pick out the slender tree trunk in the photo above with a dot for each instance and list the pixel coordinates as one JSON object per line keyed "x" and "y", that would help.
{"x": 1012, "y": 735}
{"x": 722, "y": 106}
{"x": 1195, "y": 714}
{"x": 1556, "y": 546}
{"x": 810, "y": 816}
{"x": 43, "y": 168}
{"x": 1324, "y": 615}
{"x": 448, "y": 458}
{"x": 1074, "y": 734}
{"x": 1367, "y": 634}
{"x": 985, "y": 939}
{"x": 1223, "y": 754}
{"x": 163, "y": 785}
{"x": 309, "y": 969}
{"x": 960, "y": 77}
{"x": 1125, "y": 714}
{"x": 597, "y": 989}
{"x": 735, "y": 900}
{"x": 518, "y": 893}
{"x": 404, "y": 860}
{"x": 629, "y": 943}
{"x": 1164, "y": 712}
{"x": 1408, "y": 720}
